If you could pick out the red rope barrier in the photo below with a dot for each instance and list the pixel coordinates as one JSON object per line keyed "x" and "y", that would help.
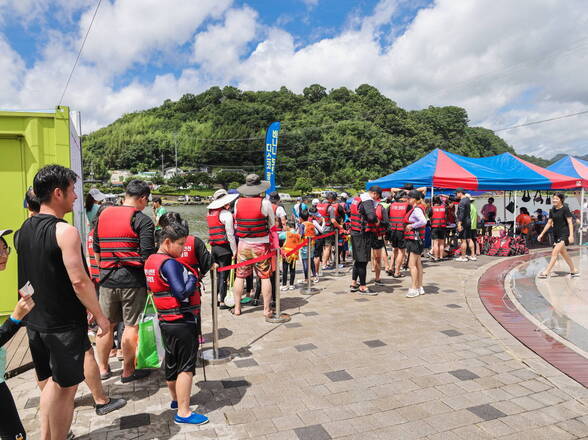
{"x": 248, "y": 262}
{"x": 296, "y": 249}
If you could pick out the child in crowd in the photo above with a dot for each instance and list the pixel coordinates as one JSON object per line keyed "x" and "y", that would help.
{"x": 291, "y": 239}
{"x": 308, "y": 229}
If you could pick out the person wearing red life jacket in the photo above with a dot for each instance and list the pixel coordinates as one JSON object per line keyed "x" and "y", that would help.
{"x": 221, "y": 237}
{"x": 363, "y": 221}
{"x": 254, "y": 217}
{"x": 176, "y": 294}
{"x": 438, "y": 227}
{"x": 380, "y": 229}
{"x": 123, "y": 239}
{"x": 414, "y": 236}
{"x": 334, "y": 216}
{"x": 396, "y": 213}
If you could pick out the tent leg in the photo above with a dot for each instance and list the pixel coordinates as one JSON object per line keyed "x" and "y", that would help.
{"x": 582, "y": 214}
{"x": 514, "y": 216}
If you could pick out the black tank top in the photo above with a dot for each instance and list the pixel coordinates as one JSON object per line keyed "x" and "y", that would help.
{"x": 40, "y": 261}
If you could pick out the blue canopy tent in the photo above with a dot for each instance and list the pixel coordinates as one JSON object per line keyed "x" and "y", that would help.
{"x": 440, "y": 169}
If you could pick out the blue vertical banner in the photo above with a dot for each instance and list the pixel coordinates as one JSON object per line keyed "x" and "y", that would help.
{"x": 271, "y": 152}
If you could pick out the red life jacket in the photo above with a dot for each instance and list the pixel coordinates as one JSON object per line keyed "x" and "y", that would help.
{"x": 217, "y": 234}
{"x": 119, "y": 243}
{"x": 94, "y": 269}
{"x": 169, "y": 308}
{"x": 250, "y": 220}
{"x": 278, "y": 224}
{"x": 380, "y": 229}
{"x": 413, "y": 234}
{"x": 396, "y": 213}
{"x": 354, "y": 216}
{"x": 323, "y": 209}
{"x": 189, "y": 257}
{"x": 438, "y": 217}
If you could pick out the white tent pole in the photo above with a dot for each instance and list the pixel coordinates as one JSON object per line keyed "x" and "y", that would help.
{"x": 582, "y": 213}
{"x": 432, "y": 194}
{"x": 514, "y": 215}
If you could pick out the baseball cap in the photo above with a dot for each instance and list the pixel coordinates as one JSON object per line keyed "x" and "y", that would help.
{"x": 315, "y": 202}
{"x": 459, "y": 190}
{"x": 376, "y": 189}
{"x": 414, "y": 194}
{"x": 4, "y": 232}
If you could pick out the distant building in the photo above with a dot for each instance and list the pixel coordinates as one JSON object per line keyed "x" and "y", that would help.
{"x": 172, "y": 172}
{"x": 147, "y": 175}
{"x": 118, "y": 177}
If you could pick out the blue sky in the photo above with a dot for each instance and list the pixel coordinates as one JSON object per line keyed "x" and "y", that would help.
{"x": 509, "y": 64}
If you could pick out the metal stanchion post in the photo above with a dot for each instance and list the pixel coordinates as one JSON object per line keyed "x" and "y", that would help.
{"x": 214, "y": 355}
{"x": 278, "y": 316}
{"x": 337, "y": 272}
{"x": 309, "y": 290}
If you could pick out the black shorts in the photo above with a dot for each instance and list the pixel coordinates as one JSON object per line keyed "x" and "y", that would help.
{"x": 10, "y": 426}
{"x": 330, "y": 240}
{"x": 361, "y": 246}
{"x": 60, "y": 355}
{"x": 181, "y": 346}
{"x": 414, "y": 246}
{"x": 378, "y": 243}
{"x": 318, "y": 248}
{"x": 438, "y": 233}
{"x": 557, "y": 240}
{"x": 466, "y": 234}
{"x": 397, "y": 239}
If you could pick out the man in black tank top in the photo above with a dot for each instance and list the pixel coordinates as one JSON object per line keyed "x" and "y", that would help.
{"x": 50, "y": 258}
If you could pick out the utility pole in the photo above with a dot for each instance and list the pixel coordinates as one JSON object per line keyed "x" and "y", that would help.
{"x": 176, "y": 148}
{"x": 162, "y": 170}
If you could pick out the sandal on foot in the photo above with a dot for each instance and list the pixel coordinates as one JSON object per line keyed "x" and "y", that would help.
{"x": 233, "y": 312}
{"x": 543, "y": 275}
{"x": 574, "y": 274}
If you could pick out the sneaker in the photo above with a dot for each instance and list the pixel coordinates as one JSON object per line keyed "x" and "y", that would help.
{"x": 282, "y": 288}
{"x": 353, "y": 288}
{"x": 413, "y": 293}
{"x": 421, "y": 290}
{"x": 173, "y": 404}
{"x": 315, "y": 280}
{"x": 341, "y": 266}
{"x": 472, "y": 258}
{"x": 105, "y": 376}
{"x": 138, "y": 374}
{"x": 367, "y": 292}
{"x": 112, "y": 405}
{"x": 291, "y": 287}
{"x": 193, "y": 419}
{"x": 462, "y": 259}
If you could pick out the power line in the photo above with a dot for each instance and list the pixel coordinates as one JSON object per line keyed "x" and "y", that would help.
{"x": 80, "y": 52}
{"x": 543, "y": 120}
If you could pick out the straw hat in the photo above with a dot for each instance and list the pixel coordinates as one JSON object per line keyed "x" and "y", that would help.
{"x": 221, "y": 198}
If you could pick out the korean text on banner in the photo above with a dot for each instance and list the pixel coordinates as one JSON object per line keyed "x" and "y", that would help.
{"x": 271, "y": 151}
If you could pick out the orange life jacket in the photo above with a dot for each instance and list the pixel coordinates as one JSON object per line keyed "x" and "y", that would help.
{"x": 309, "y": 229}
{"x": 217, "y": 234}
{"x": 119, "y": 243}
{"x": 169, "y": 308}
{"x": 438, "y": 217}
{"x": 250, "y": 220}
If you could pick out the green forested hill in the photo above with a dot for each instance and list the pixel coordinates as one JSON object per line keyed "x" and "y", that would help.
{"x": 338, "y": 136}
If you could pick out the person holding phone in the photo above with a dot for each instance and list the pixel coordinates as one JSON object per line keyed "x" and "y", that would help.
{"x": 10, "y": 424}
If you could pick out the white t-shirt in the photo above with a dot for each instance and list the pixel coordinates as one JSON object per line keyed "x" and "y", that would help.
{"x": 226, "y": 218}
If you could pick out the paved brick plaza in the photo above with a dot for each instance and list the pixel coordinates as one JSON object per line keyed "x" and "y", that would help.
{"x": 352, "y": 367}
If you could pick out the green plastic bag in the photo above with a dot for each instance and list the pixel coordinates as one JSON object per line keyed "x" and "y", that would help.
{"x": 150, "y": 351}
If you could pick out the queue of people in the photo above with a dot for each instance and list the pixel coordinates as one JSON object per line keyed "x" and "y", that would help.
{"x": 131, "y": 255}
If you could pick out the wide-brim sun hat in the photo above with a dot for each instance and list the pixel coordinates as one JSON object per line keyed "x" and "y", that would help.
{"x": 97, "y": 195}
{"x": 221, "y": 198}
{"x": 4, "y": 232}
{"x": 254, "y": 186}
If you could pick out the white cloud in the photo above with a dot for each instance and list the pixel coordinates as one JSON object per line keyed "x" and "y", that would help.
{"x": 220, "y": 47}
{"x": 12, "y": 68}
{"x": 134, "y": 31}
